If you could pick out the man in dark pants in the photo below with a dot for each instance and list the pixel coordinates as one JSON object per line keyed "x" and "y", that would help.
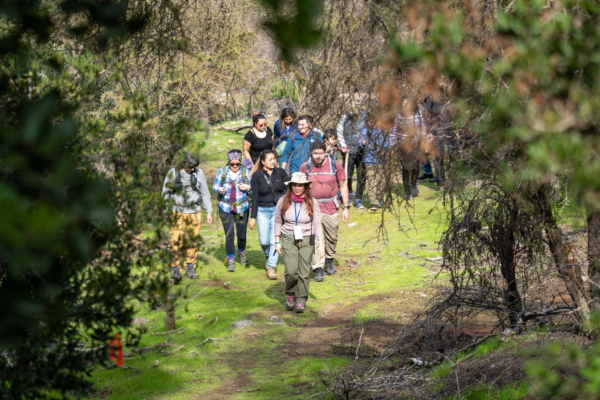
{"x": 349, "y": 129}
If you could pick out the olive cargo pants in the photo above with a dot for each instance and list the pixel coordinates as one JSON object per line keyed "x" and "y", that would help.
{"x": 297, "y": 262}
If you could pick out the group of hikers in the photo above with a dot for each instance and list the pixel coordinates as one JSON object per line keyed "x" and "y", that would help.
{"x": 288, "y": 182}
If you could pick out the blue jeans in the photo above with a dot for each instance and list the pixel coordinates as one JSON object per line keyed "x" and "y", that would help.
{"x": 265, "y": 219}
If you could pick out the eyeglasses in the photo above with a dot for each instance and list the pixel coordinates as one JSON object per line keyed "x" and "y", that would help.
{"x": 237, "y": 164}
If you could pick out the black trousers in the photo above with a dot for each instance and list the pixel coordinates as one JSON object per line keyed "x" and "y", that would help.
{"x": 410, "y": 170}
{"x": 440, "y": 144}
{"x": 356, "y": 162}
{"x": 241, "y": 226}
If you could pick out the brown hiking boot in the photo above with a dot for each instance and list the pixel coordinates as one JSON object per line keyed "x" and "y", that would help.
{"x": 271, "y": 274}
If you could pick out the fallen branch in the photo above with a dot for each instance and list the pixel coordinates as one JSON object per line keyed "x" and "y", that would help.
{"x": 234, "y": 128}
{"x": 434, "y": 259}
{"x": 180, "y": 331}
{"x": 248, "y": 390}
{"x": 114, "y": 366}
{"x": 214, "y": 318}
{"x": 167, "y": 353}
{"x": 148, "y": 349}
{"x": 212, "y": 340}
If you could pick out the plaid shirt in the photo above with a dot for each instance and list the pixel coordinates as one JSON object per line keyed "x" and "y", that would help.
{"x": 410, "y": 126}
{"x": 240, "y": 196}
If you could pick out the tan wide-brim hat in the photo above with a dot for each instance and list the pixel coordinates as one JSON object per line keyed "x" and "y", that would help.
{"x": 299, "y": 177}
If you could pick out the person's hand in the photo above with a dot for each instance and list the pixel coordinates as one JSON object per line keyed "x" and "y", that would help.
{"x": 345, "y": 149}
{"x": 244, "y": 187}
{"x": 209, "y": 219}
{"x": 278, "y": 248}
{"x": 251, "y": 223}
{"x": 364, "y": 142}
{"x": 222, "y": 190}
{"x": 345, "y": 215}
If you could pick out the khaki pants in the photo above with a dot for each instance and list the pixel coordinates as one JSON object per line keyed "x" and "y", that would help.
{"x": 330, "y": 225}
{"x": 297, "y": 266}
{"x": 185, "y": 232}
{"x": 374, "y": 183}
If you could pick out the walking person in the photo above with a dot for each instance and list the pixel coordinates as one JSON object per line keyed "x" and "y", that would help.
{"x": 297, "y": 149}
{"x": 257, "y": 139}
{"x": 328, "y": 177}
{"x": 268, "y": 186}
{"x": 348, "y": 134}
{"x": 330, "y": 139}
{"x": 375, "y": 143}
{"x": 185, "y": 188}
{"x": 297, "y": 229}
{"x": 284, "y": 127}
{"x": 406, "y": 137}
{"x": 232, "y": 185}
{"x": 440, "y": 135}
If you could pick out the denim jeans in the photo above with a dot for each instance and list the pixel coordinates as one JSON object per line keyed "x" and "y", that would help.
{"x": 265, "y": 219}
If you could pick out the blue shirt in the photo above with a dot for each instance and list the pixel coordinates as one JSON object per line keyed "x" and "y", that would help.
{"x": 282, "y": 135}
{"x": 377, "y": 144}
{"x": 297, "y": 150}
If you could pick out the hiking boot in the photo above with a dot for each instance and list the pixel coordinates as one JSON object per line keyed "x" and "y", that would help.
{"x": 176, "y": 275}
{"x": 230, "y": 265}
{"x": 243, "y": 258}
{"x": 290, "y": 302}
{"x": 424, "y": 176}
{"x": 358, "y": 204}
{"x": 319, "y": 275}
{"x": 407, "y": 195}
{"x": 381, "y": 203}
{"x": 299, "y": 308}
{"x": 330, "y": 267}
{"x": 191, "y": 272}
{"x": 373, "y": 207}
{"x": 271, "y": 274}
{"x": 433, "y": 180}
{"x": 414, "y": 191}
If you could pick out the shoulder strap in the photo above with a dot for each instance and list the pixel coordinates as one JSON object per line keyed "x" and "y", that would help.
{"x": 308, "y": 166}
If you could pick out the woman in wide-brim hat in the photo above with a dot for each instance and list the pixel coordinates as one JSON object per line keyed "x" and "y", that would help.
{"x": 297, "y": 223}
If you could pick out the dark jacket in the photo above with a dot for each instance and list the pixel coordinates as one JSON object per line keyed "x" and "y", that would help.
{"x": 262, "y": 194}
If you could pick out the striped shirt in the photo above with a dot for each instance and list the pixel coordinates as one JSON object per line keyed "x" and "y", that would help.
{"x": 403, "y": 127}
{"x": 240, "y": 196}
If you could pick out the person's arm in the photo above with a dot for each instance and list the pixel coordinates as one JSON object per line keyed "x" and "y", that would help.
{"x": 246, "y": 149}
{"x": 168, "y": 185}
{"x": 217, "y": 185}
{"x": 205, "y": 194}
{"x": 245, "y": 187}
{"x": 285, "y": 158}
{"x": 340, "y": 133}
{"x": 276, "y": 129}
{"x": 362, "y": 143}
{"x": 254, "y": 189}
{"x": 277, "y": 227}
{"x": 343, "y": 186}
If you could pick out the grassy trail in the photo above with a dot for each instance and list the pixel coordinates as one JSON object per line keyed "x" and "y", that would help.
{"x": 378, "y": 283}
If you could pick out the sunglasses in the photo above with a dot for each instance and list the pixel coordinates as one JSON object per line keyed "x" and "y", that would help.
{"x": 237, "y": 164}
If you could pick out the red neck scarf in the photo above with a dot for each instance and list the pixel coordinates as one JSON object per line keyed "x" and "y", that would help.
{"x": 297, "y": 199}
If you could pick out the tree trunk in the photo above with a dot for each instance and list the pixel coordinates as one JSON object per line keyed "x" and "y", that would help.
{"x": 594, "y": 255}
{"x": 570, "y": 273}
